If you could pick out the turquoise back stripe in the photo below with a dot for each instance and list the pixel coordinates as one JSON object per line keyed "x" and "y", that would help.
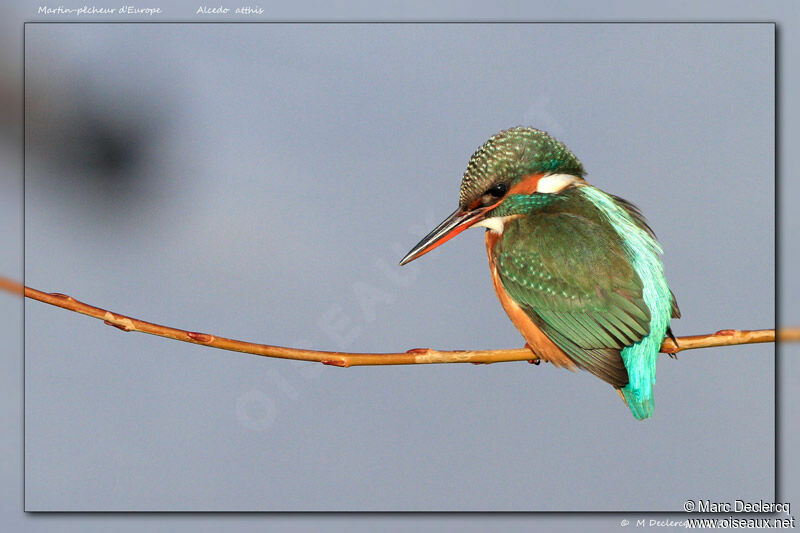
{"x": 643, "y": 251}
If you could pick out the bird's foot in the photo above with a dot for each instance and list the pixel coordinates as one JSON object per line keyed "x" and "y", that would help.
{"x": 535, "y": 360}
{"x": 674, "y": 354}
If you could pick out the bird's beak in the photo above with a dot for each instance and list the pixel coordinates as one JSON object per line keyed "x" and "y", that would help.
{"x": 460, "y": 220}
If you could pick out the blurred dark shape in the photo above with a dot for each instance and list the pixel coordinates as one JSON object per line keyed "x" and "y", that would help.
{"x": 111, "y": 148}
{"x": 96, "y": 139}
{"x": 10, "y": 106}
{"x": 113, "y": 154}
{"x": 10, "y": 83}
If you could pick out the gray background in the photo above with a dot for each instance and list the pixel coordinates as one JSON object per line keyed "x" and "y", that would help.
{"x": 261, "y": 182}
{"x": 683, "y": 453}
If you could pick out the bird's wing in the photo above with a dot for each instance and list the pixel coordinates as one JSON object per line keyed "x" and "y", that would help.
{"x": 573, "y": 279}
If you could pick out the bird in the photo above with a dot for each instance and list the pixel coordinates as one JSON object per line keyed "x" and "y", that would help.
{"x": 577, "y": 270}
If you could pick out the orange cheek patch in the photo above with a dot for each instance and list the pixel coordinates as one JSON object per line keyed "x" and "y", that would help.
{"x": 527, "y": 185}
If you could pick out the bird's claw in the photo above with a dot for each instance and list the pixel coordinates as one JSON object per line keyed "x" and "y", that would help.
{"x": 536, "y": 360}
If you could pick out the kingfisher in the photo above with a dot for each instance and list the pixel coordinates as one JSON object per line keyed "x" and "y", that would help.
{"x": 576, "y": 269}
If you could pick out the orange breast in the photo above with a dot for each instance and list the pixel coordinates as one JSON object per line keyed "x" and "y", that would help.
{"x": 541, "y": 344}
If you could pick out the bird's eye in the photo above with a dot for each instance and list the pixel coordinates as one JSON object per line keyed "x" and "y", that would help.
{"x": 497, "y": 190}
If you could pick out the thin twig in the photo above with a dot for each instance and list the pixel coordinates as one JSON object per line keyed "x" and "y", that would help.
{"x": 727, "y": 337}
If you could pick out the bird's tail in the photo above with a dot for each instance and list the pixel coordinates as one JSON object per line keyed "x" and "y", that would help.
{"x": 640, "y": 360}
{"x": 641, "y": 405}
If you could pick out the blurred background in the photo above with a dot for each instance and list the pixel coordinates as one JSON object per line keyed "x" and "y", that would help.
{"x": 262, "y": 181}
{"x": 194, "y": 175}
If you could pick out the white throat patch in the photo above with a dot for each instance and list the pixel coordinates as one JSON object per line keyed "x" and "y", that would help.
{"x": 495, "y": 224}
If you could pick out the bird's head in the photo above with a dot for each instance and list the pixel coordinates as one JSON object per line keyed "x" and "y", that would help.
{"x": 515, "y": 172}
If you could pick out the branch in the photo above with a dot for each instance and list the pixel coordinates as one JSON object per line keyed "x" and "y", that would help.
{"x": 727, "y": 337}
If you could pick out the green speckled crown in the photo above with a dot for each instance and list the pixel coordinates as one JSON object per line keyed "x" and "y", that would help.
{"x": 512, "y": 154}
